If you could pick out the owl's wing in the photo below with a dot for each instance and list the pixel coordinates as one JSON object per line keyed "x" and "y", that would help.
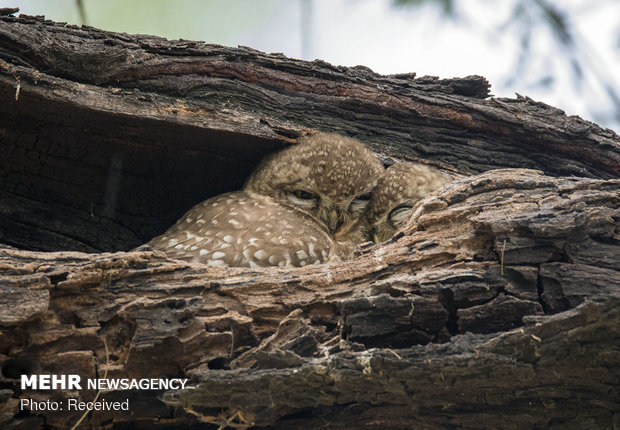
{"x": 197, "y": 235}
{"x": 239, "y": 230}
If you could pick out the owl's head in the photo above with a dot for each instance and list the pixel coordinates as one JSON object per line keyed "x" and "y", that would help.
{"x": 327, "y": 177}
{"x": 398, "y": 190}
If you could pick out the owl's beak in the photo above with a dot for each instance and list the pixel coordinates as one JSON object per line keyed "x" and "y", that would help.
{"x": 333, "y": 220}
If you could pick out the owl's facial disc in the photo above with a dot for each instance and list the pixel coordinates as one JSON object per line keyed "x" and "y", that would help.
{"x": 339, "y": 217}
{"x": 326, "y": 211}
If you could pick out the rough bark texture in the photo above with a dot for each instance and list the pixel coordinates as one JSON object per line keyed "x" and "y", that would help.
{"x": 498, "y": 306}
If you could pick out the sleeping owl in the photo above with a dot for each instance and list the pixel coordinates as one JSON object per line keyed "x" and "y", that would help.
{"x": 400, "y": 187}
{"x": 301, "y": 206}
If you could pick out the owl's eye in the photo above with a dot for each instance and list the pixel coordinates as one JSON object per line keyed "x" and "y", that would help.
{"x": 304, "y": 195}
{"x": 360, "y": 203}
{"x": 398, "y": 215}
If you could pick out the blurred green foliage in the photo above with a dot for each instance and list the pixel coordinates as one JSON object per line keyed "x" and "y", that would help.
{"x": 447, "y": 6}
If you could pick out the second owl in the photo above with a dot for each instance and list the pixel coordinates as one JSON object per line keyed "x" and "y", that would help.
{"x": 401, "y": 186}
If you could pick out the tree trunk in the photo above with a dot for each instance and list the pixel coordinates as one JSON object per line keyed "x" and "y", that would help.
{"x": 497, "y": 306}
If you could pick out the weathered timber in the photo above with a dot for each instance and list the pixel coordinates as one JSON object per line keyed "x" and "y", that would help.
{"x": 434, "y": 302}
{"x": 515, "y": 380}
{"x": 108, "y": 138}
{"x": 497, "y": 306}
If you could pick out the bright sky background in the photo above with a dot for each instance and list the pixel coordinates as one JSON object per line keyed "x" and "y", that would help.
{"x": 390, "y": 39}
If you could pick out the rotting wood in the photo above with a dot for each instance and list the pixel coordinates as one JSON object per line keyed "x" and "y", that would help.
{"x": 115, "y": 136}
{"x": 436, "y": 293}
{"x": 497, "y": 306}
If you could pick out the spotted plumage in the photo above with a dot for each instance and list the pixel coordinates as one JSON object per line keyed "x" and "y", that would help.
{"x": 301, "y": 206}
{"x": 401, "y": 186}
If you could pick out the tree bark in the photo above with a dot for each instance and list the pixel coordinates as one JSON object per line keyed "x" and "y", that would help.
{"x": 497, "y": 306}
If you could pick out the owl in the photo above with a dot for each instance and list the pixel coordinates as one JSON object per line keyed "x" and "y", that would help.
{"x": 402, "y": 185}
{"x": 303, "y": 205}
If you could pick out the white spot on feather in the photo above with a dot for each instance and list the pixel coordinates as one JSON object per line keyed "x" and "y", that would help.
{"x": 216, "y": 263}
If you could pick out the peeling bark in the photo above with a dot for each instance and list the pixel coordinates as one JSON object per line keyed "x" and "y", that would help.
{"x": 112, "y": 137}
{"x": 497, "y": 306}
